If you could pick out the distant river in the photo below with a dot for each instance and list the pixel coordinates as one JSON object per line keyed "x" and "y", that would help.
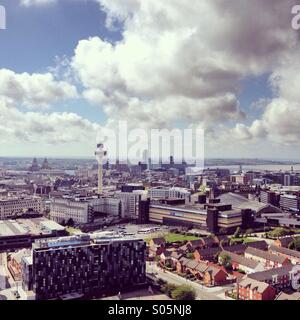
{"x": 70, "y": 172}
{"x": 261, "y": 167}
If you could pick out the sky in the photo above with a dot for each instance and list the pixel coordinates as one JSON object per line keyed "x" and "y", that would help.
{"x": 71, "y": 68}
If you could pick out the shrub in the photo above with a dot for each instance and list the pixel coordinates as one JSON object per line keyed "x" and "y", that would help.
{"x": 183, "y": 292}
{"x": 225, "y": 260}
{"x": 168, "y": 288}
{"x": 278, "y": 232}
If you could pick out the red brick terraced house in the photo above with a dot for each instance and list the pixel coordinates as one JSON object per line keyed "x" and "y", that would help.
{"x": 210, "y": 274}
{"x": 211, "y": 254}
{"x": 251, "y": 289}
{"x": 171, "y": 257}
{"x": 279, "y": 278}
{"x": 239, "y": 262}
{"x": 268, "y": 259}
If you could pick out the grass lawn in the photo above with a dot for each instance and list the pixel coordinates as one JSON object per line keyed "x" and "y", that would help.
{"x": 245, "y": 240}
{"x": 173, "y": 237}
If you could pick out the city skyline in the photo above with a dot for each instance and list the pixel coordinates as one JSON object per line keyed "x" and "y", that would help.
{"x": 149, "y": 150}
{"x": 102, "y": 61}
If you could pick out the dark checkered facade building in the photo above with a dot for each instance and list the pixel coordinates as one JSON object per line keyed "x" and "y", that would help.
{"x": 87, "y": 267}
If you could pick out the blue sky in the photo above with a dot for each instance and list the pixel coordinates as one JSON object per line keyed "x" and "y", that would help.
{"x": 38, "y": 35}
{"x": 35, "y": 35}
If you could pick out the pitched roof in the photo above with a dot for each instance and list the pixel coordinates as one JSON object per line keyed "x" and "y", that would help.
{"x": 183, "y": 248}
{"x": 192, "y": 264}
{"x": 184, "y": 261}
{"x": 241, "y": 260}
{"x": 167, "y": 253}
{"x": 241, "y": 248}
{"x": 201, "y": 267}
{"x": 213, "y": 269}
{"x": 253, "y": 284}
{"x": 196, "y": 243}
{"x": 209, "y": 241}
{"x": 177, "y": 254}
{"x": 286, "y": 251}
{"x": 267, "y": 275}
{"x": 265, "y": 255}
{"x": 238, "y": 248}
{"x": 159, "y": 241}
{"x": 262, "y": 244}
{"x": 209, "y": 252}
{"x": 285, "y": 241}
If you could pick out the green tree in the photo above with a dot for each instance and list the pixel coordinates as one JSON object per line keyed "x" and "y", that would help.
{"x": 225, "y": 260}
{"x": 184, "y": 292}
{"x": 168, "y": 288}
{"x": 278, "y": 232}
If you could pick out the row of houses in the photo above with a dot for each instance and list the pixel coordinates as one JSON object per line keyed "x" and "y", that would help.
{"x": 206, "y": 272}
{"x": 261, "y": 271}
{"x": 265, "y": 285}
{"x": 209, "y": 274}
{"x": 198, "y": 259}
{"x": 158, "y": 245}
{"x": 277, "y": 279}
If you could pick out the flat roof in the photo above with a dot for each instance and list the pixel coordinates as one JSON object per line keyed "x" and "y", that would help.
{"x": 11, "y": 228}
{"x": 186, "y": 208}
{"x": 79, "y": 240}
{"x": 196, "y": 209}
{"x": 33, "y": 226}
{"x": 52, "y": 225}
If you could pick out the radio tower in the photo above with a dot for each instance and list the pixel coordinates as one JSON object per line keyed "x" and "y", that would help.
{"x": 100, "y": 153}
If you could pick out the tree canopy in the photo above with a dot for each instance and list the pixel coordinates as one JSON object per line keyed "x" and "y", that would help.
{"x": 184, "y": 292}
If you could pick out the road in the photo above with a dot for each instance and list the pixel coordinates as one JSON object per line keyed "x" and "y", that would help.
{"x": 203, "y": 293}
